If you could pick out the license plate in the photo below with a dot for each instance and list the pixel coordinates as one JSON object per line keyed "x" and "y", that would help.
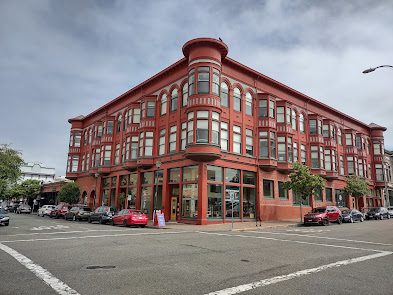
{"x": 140, "y": 217}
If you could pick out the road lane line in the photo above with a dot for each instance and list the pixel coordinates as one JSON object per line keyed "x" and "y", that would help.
{"x": 67, "y": 232}
{"x": 277, "y": 279}
{"x": 327, "y": 238}
{"x": 291, "y": 241}
{"x": 53, "y": 282}
{"x": 87, "y": 237}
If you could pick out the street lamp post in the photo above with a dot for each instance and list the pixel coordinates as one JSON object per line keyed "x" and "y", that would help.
{"x": 158, "y": 165}
{"x": 373, "y": 69}
{"x": 95, "y": 191}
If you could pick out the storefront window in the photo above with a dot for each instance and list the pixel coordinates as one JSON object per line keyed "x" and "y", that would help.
{"x": 105, "y": 197}
{"x": 146, "y": 199}
{"x": 214, "y": 173}
{"x": 328, "y": 195}
{"x": 341, "y": 200}
{"x": 123, "y": 180}
{"x": 248, "y": 177}
{"x": 131, "y": 198}
{"x": 133, "y": 179}
{"x": 147, "y": 178}
{"x": 248, "y": 202}
{"x": 190, "y": 200}
{"x": 174, "y": 175}
{"x": 190, "y": 173}
{"x": 106, "y": 182}
{"x": 214, "y": 200}
{"x": 232, "y": 175}
{"x": 232, "y": 206}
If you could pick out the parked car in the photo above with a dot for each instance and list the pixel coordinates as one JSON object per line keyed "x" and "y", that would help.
{"x": 390, "y": 210}
{"x": 323, "y": 215}
{"x": 377, "y": 213}
{"x": 23, "y": 209}
{"x": 129, "y": 217}
{"x": 352, "y": 215}
{"x": 103, "y": 214}
{"x": 78, "y": 212}
{"x": 4, "y": 217}
{"x": 45, "y": 210}
{"x": 13, "y": 207}
{"x": 59, "y": 211}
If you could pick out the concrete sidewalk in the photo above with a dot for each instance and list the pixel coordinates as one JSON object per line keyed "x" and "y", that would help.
{"x": 237, "y": 226}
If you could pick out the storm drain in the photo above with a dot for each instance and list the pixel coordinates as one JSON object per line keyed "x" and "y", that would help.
{"x": 100, "y": 267}
{"x": 245, "y": 260}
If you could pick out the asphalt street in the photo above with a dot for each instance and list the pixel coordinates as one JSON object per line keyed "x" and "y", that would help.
{"x": 39, "y": 255}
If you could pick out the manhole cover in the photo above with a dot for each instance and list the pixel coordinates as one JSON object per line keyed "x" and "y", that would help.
{"x": 98, "y": 266}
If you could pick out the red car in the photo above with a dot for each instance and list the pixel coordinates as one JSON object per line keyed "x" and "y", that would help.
{"x": 129, "y": 217}
{"x": 59, "y": 211}
{"x": 323, "y": 215}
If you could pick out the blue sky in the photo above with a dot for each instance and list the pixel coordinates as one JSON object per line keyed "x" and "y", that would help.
{"x": 65, "y": 58}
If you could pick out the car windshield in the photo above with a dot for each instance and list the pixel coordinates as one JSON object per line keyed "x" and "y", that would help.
{"x": 373, "y": 210}
{"x": 136, "y": 212}
{"x": 346, "y": 212}
{"x": 318, "y": 210}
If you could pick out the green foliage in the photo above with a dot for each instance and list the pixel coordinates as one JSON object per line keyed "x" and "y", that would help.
{"x": 17, "y": 191}
{"x": 121, "y": 198}
{"x": 301, "y": 181}
{"x": 31, "y": 188}
{"x": 356, "y": 186}
{"x": 69, "y": 193}
{"x": 10, "y": 162}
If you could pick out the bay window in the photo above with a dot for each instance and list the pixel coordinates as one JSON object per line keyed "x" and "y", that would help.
{"x": 191, "y": 82}
{"x": 216, "y": 82}
{"x": 262, "y": 108}
{"x": 203, "y": 79}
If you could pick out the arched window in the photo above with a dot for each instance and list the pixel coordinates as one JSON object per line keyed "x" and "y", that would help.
{"x": 249, "y": 104}
{"x": 174, "y": 100}
{"x": 118, "y": 124}
{"x": 163, "y": 104}
{"x": 185, "y": 95}
{"x": 301, "y": 122}
{"x": 237, "y": 100}
{"x": 224, "y": 94}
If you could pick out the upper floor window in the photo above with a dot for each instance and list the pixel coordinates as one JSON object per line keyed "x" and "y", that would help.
{"x": 237, "y": 100}
{"x": 134, "y": 147}
{"x": 174, "y": 100}
{"x": 136, "y": 116}
{"x": 191, "y": 82}
{"x": 118, "y": 129}
{"x": 301, "y": 122}
{"x": 359, "y": 142}
{"x": 280, "y": 115}
{"x": 89, "y": 138}
{"x": 203, "y": 79}
{"x": 262, "y": 108}
{"x": 172, "y": 139}
{"x": 109, "y": 127}
{"x": 248, "y": 104}
{"x": 150, "y": 109}
{"x": 294, "y": 120}
{"x": 161, "y": 145}
{"x": 216, "y": 82}
{"x": 249, "y": 143}
{"x": 163, "y": 104}
{"x": 224, "y": 94}
{"x": 202, "y": 127}
{"x": 271, "y": 109}
{"x": 377, "y": 148}
{"x": 348, "y": 139}
{"x": 77, "y": 140}
{"x": 313, "y": 126}
{"x": 237, "y": 146}
{"x": 224, "y": 136}
{"x": 289, "y": 115}
{"x": 339, "y": 136}
{"x": 215, "y": 128}
{"x": 185, "y": 95}
{"x": 183, "y": 135}
{"x": 99, "y": 131}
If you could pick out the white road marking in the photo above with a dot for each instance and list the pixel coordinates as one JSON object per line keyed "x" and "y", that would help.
{"x": 68, "y": 232}
{"x": 309, "y": 230}
{"x": 327, "y": 238}
{"x": 43, "y": 274}
{"x": 87, "y": 237}
{"x": 291, "y": 241}
{"x": 50, "y": 227}
{"x": 300, "y": 273}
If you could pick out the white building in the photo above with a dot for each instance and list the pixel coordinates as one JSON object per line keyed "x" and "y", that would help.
{"x": 37, "y": 171}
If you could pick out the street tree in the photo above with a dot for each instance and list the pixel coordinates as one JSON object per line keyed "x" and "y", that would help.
{"x": 10, "y": 162}
{"x": 304, "y": 183}
{"x": 69, "y": 193}
{"x": 31, "y": 188}
{"x": 16, "y": 191}
{"x": 356, "y": 186}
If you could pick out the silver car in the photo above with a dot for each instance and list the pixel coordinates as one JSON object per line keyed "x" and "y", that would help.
{"x": 45, "y": 210}
{"x": 23, "y": 209}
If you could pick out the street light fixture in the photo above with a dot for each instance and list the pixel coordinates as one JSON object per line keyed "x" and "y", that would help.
{"x": 95, "y": 191}
{"x": 373, "y": 69}
{"x": 158, "y": 165}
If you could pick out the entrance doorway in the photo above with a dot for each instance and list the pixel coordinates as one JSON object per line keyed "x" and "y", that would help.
{"x": 174, "y": 190}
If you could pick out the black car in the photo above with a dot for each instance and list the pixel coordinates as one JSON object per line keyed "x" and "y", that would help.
{"x": 377, "y": 213}
{"x": 103, "y": 214}
{"x": 78, "y": 212}
{"x": 4, "y": 218}
{"x": 352, "y": 215}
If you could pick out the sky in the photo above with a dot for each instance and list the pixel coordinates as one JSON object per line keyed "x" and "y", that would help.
{"x": 63, "y": 58}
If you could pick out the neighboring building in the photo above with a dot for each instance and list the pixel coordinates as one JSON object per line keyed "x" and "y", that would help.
{"x": 37, "y": 171}
{"x": 389, "y": 173}
{"x": 211, "y": 130}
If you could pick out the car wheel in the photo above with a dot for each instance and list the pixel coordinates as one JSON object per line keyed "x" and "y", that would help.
{"x": 89, "y": 220}
{"x": 339, "y": 220}
{"x": 57, "y": 216}
{"x": 73, "y": 218}
{"x": 381, "y": 217}
{"x": 112, "y": 222}
{"x": 100, "y": 220}
{"x": 351, "y": 220}
{"x": 125, "y": 223}
{"x": 361, "y": 219}
{"x": 142, "y": 225}
{"x": 325, "y": 222}
{"x": 388, "y": 217}
{"x": 7, "y": 224}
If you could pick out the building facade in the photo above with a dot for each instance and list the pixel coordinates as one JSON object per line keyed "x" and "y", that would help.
{"x": 208, "y": 138}
{"x": 37, "y": 171}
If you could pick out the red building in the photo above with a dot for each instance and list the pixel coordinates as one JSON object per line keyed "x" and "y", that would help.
{"x": 208, "y": 129}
